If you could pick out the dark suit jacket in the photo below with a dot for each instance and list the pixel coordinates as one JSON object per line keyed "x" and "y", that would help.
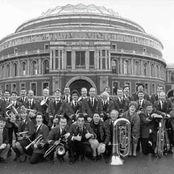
{"x": 88, "y": 109}
{"x": 74, "y": 131}
{"x": 35, "y": 105}
{"x": 154, "y": 97}
{"x": 44, "y": 131}
{"x": 67, "y": 100}
{"x": 121, "y": 106}
{"x": 143, "y": 105}
{"x": 71, "y": 109}
{"x": 23, "y": 102}
{"x": 167, "y": 107}
{"x": 109, "y": 125}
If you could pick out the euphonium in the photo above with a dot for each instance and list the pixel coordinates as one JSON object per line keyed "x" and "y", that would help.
{"x": 121, "y": 140}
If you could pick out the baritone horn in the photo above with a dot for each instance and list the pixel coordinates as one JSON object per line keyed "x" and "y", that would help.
{"x": 121, "y": 140}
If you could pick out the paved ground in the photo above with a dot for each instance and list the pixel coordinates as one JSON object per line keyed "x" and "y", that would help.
{"x": 139, "y": 165}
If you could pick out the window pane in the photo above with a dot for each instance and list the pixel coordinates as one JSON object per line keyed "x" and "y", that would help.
{"x": 33, "y": 87}
{"x": 80, "y": 58}
{"x": 103, "y": 63}
{"x": 68, "y": 58}
{"x": 91, "y": 58}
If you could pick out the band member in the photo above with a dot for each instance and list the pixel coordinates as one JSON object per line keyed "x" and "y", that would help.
{"x": 80, "y": 133}
{"x": 109, "y": 125}
{"x": 25, "y": 132}
{"x": 126, "y": 92}
{"x": 142, "y": 102}
{"x": 67, "y": 97}
{"x": 134, "y": 119}
{"x": 54, "y": 135}
{"x": 102, "y": 137}
{"x": 121, "y": 104}
{"x": 31, "y": 103}
{"x": 83, "y": 94}
{"x": 56, "y": 109}
{"x": 23, "y": 97}
{"x": 44, "y": 103}
{"x": 140, "y": 87}
{"x": 91, "y": 105}
{"x": 4, "y": 140}
{"x": 73, "y": 108}
{"x": 39, "y": 146}
{"x": 146, "y": 119}
{"x": 163, "y": 106}
{"x": 155, "y": 97}
{"x": 107, "y": 105}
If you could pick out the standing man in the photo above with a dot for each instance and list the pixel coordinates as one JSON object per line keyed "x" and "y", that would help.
{"x": 91, "y": 105}
{"x": 67, "y": 97}
{"x": 23, "y": 97}
{"x": 155, "y": 97}
{"x": 83, "y": 94}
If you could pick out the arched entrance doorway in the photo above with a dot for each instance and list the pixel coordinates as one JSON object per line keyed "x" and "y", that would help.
{"x": 79, "y": 84}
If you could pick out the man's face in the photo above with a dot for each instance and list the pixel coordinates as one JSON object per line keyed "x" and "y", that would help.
{"x": 66, "y": 91}
{"x": 84, "y": 92}
{"x": 120, "y": 93}
{"x": 149, "y": 109}
{"x": 30, "y": 94}
{"x": 96, "y": 118}
{"x": 126, "y": 90}
{"x": 140, "y": 88}
{"x": 92, "y": 92}
{"x": 80, "y": 122}
{"x": 159, "y": 89}
{"x": 23, "y": 116}
{"x": 75, "y": 97}
{"x": 39, "y": 119}
{"x": 114, "y": 115}
{"x": 105, "y": 97}
{"x": 162, "y": 96}
{"x": 45, "y": 93}
{"x": 13, "y": 96}
{"x": 23, "y": 93}
{"x": 62, "y": 123}
{"x": 57, "y": 95}
{"x": 140, "y": 95}
{"x": 6, "y": 94}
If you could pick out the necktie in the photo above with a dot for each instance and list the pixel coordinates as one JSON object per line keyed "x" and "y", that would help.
{"x": 92, "y": 102}
{"x": 75, "y": 103}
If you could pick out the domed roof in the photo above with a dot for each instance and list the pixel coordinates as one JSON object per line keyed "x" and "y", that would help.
{"x": 79, "y": 8}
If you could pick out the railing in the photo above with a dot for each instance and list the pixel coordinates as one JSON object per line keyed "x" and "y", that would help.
{"x": 137, "y": 53}
{"x": 38, "y": 51}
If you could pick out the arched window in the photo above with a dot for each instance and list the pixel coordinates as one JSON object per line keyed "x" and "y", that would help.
{"x": 34, "y": 68}
{"x": 15, "y": 67}
{"x": 172, "y": 77}
{"x": 152, "y": 70}
{"x": 45, "y": 67}
{"x": 8, "y": 70}
{"x": 137, "y": 68}
{"x": 126, "y": 67}
{"x": 145, "y": 69}
{"x": 23, "y": 68}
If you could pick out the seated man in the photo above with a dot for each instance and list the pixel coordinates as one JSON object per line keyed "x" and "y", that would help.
{"x": 80, "y": 133}
{"x": 102, "y": 137}
{"x": 54, "y": 136}
{"x": 4, "y": 141}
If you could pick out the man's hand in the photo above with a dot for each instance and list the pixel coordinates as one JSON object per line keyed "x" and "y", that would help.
{"x": 78, "y": 138}
{"x": 67, "y": 135}
{"x": 35, "y": 146}
{"x": 89, "y": 119}
{"x": 88, "y": 135}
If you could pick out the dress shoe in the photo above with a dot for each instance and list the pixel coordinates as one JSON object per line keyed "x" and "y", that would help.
{"x": 61, "y": 159}
{"x": 99, "y": 157}
{"x": 94, "y": 158}
{"x": 82, "y": 158}
{"x": 72, "y": 161}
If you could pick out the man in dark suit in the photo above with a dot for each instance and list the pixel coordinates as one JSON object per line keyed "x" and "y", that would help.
{"x": 39, "y": 147}
{"x": 141, "y": 102}
{"x": 107, "y": 105}
{"x": 55, "y": 134}
{"x": 91, "y": 105}
{"x": 155, "y": 97}
{"x": 73, "y": 108}
{"x": 80, "y": 133}
{"x": 23, "y": 97}
{"x": 126, "y": 92}
{"x": 140, "y": 87}
{"x": 56, "y": 109}
{"x": 83, "y": 94}
{"x": 121, "y": 104}
{"x": 67, "y": 96}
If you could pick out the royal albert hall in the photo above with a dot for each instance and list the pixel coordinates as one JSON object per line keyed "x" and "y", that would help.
{"x": 81, "y": 46}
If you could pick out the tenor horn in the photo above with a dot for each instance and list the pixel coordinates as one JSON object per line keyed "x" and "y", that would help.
{"x": 121, "y": 140}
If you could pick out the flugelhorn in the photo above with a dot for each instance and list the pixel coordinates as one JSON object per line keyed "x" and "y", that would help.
{"x": 121, "y": 140}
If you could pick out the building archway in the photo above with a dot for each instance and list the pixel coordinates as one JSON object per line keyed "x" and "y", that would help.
{"x": 76, "y": 83}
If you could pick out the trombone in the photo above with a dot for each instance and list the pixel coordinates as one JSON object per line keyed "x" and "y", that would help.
{"x": 35, "y": 141}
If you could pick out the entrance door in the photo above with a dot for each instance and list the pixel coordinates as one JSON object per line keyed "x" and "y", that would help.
{"x": 79, "y": 84}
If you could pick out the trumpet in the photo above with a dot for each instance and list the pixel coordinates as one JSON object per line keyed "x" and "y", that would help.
{"x": 35, "y": 141}
{"x": 121, "y": 140}
{"x": 21, "y": 135}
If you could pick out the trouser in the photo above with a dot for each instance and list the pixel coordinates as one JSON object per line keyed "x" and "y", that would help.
{"x": 36, "y": 157}
{"x": 80, "y": 148}
{"x": 153, "y": 140}
{"x": 145, "y": 146}
{"x": 108, "y": 151}
{"x": 4, "y": 152}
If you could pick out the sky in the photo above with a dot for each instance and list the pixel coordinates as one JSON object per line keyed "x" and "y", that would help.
{"x": 155, "y": 16}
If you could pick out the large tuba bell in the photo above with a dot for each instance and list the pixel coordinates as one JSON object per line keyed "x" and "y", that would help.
{"x": 121, "y": 140}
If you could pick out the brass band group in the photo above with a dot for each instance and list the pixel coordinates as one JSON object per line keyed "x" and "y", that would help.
{"x": 85, "y": 126}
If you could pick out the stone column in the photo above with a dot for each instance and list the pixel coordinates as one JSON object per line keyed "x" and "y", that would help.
{"x": 87, "y": 59}
{"x": 54, "y": 62}
{"x": 63, "y": 59}
{"x": 73, "y": 60}
{"x": 51, "y": 59}
{"x": 97, "y": 59}
{"x": 40, "y": 65}
{"x": 121, "y": 65}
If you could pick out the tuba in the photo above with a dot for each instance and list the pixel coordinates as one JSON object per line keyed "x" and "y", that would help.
{"x": 121, "y": 140}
